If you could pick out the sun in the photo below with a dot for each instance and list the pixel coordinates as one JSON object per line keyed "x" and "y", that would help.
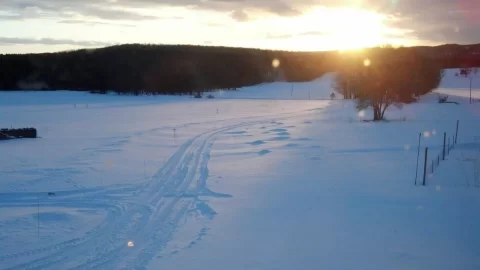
{"x": 351, "y": 28}
{"x": 343, "y": 29}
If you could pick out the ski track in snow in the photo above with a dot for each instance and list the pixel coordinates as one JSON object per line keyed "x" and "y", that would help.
{"x": 148, "y": 215}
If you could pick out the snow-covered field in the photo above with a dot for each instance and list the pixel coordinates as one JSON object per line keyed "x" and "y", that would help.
{"x": 259, "y": 178}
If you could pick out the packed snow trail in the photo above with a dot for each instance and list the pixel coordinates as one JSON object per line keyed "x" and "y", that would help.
{"x": 148, "y": 215}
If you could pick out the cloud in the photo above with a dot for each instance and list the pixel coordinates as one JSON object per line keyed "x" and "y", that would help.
{"x": 280, "y": 7}
{"x": 283, "y": 9}
{"x": 115, "y": 14}
{"x": 66, "y": 9}
{"x": 442, "y": 22}
{"x": 126, "y": 9}
{"x": 14, "y": 17}
{"x": 438, "y": 21}
{"x": 239, "y": 15}
{"x": 281, "y": 36}
{"x": 301, "y": 34}
{"x": 51, "y": 41}
{"x": 94, "y": 23}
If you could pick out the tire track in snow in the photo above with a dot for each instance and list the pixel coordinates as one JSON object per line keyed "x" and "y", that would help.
{"x": 149, "y": 216}
{"x": 170, "y": 197}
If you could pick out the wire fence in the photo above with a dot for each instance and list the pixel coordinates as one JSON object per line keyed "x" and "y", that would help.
{"x": 433, "y": 158}
{"x": 434, "y": 161}
{"x": 466, "y": 158}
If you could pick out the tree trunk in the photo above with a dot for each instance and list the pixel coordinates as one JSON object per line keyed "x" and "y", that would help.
{"x": 348, "y": 90}
{"x": 383, "y": 112}
{"x": 377, "y": 113}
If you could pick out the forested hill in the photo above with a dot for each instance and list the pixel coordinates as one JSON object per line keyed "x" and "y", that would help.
{"x": 180, "y": 69}
{"x": 156, "y": 69}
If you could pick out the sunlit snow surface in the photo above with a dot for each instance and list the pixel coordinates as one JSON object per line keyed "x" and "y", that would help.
{"x": 258, "y": 178}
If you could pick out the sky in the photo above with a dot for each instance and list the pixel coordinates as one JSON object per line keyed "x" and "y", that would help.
{"x": 295, "y": 25}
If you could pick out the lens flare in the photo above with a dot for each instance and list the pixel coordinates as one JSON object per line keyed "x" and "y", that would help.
{"x": 275, "y": 63}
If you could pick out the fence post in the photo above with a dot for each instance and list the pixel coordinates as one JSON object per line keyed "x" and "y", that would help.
{"x": 456, "y": 133}
{"x": 438, "y": 160}
{"x": 418, "y": 157}
{"x": 444, "y": 141}
{"x": 425, "y": 166}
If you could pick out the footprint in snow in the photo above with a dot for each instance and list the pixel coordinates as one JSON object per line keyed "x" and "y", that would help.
{"x": 264, "y": 152}
{"x": 292, "y": 145}
{"x": 259, "y": 142}
{"x": 236, "y": 132}
{"x": 303, "y": 139}
{"x": 280, "y": 138}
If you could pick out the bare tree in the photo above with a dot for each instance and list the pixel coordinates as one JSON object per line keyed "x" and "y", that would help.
{"x": 379, "y": 90}
{"x": 392, "y": 78}
{"x": 346, "y": 81}
{"x": 345, "y": 84}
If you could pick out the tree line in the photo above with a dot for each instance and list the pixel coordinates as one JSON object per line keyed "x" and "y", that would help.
{"x": 156, "y": 69}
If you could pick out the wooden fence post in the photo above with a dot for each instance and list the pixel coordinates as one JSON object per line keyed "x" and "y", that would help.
{"x": 418, "y": 157}
{"x": 425, "y": 166}
{"x": 456, "y": 133}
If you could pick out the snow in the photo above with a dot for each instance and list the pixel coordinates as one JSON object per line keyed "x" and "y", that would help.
{"x": 320, "y": 88}
{"x": 453, "y": 85}
{"x": 451, "y": 80}
{"x": 273, "y": 181}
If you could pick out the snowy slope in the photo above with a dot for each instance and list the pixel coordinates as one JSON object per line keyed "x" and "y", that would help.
{"x": 258, "y": 180}
{"x": 451, "y": 80}
{"x": 453, "y": 85}
{"x": 320, "y": 88}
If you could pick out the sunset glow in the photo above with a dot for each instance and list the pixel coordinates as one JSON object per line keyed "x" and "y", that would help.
{"x": 55, "y": 25}
{"x": 348, "y": 28}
